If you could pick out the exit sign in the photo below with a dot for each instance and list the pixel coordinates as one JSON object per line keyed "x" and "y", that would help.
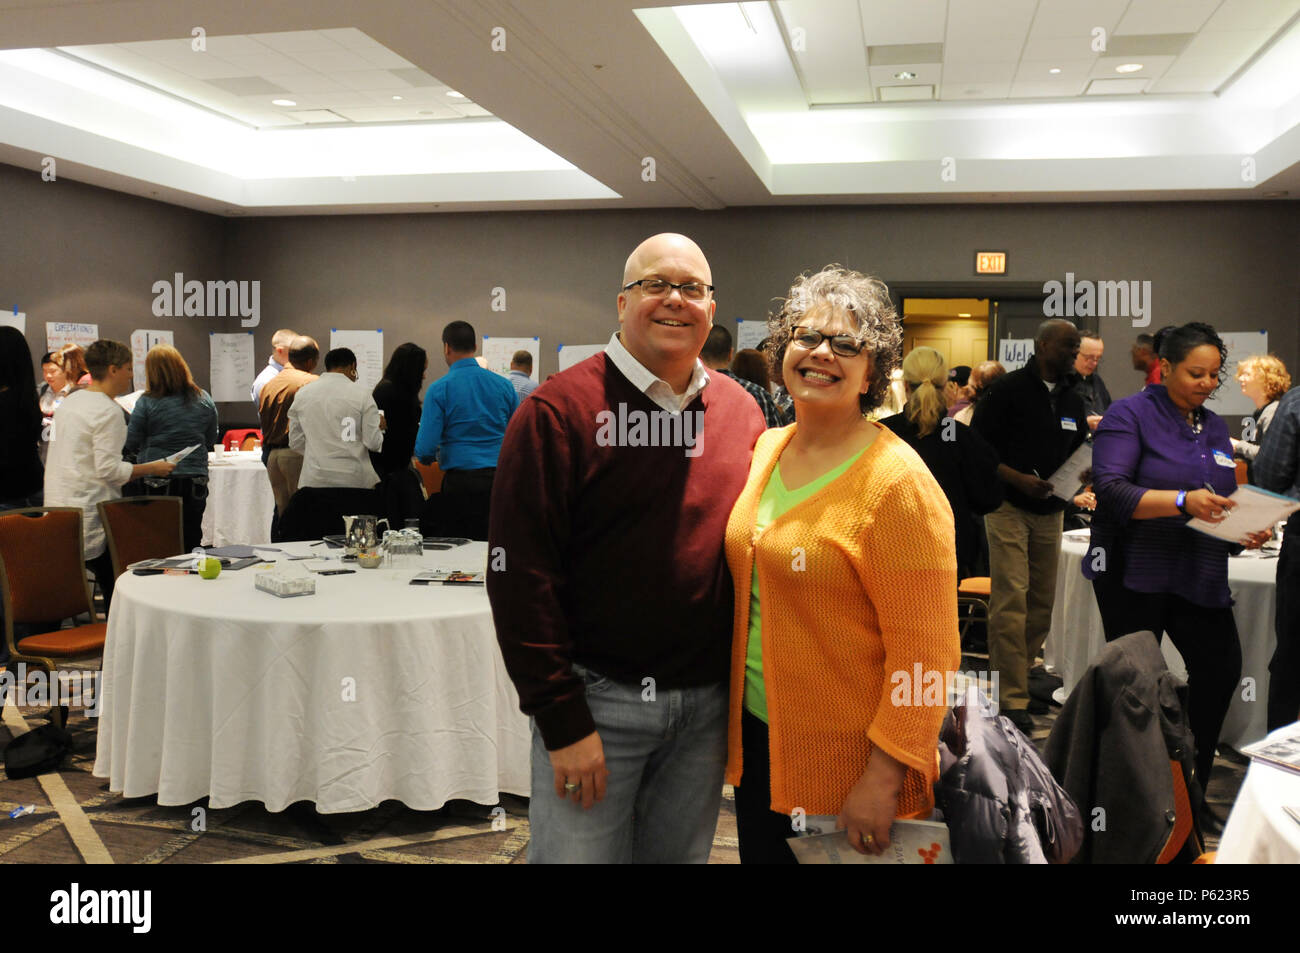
{"x": 990, "y": 263}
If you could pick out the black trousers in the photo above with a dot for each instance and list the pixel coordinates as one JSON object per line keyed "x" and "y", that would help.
{"x": 761, "y": 831}
{"x": 1284, "y": 668}
{"x": 1205, "y": 638}
{"x": 102, "y": 568}
{"x": 463, "y": 505}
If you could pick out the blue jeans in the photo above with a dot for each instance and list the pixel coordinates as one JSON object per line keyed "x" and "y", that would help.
{"x": 666, "y": 759}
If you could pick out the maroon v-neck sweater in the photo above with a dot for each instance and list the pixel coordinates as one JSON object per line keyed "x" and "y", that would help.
{"x": 607, "y": 553}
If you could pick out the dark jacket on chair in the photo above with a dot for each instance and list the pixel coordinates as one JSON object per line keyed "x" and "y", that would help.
{"x": 1112, "y": 748}
{"x": 1001, "y": 804}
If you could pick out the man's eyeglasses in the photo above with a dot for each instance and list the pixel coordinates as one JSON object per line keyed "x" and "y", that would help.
{"x": 658, "y": 288}
{"x": 845, "y": 345}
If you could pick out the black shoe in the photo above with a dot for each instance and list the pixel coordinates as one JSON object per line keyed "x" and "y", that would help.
{"x": 1038, "y": 707}
{"x": 1022, "y": 720}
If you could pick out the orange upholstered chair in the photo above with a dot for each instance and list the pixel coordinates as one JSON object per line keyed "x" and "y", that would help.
{"x": 43, "y": 577}
{"x": 430, "y": 476}
{"x": 1241, "y": 473}
{"x": 141, "y": 527}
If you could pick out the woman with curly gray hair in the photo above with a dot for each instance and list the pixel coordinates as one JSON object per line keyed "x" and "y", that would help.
{"x": 842, "y": 553}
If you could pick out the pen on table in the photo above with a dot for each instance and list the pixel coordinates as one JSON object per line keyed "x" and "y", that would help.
{"x": 321, "y": 543}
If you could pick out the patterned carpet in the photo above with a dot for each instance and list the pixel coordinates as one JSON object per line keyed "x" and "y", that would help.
{"x": 78, "y": 820}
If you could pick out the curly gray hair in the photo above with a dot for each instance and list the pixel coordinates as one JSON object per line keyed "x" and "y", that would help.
{"x": 864, "y": 300}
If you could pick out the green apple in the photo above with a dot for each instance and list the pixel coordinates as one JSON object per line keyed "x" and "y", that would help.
{"x": 210, "y": 568}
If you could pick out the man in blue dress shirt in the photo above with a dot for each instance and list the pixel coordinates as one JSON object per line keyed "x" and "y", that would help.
{"x": 462, "y": 425}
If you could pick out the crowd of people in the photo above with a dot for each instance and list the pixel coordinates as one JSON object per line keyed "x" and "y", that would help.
{"x": 734, "y": 606}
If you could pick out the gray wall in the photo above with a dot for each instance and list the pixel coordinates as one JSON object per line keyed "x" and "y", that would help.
{"x": 73, "y": 252}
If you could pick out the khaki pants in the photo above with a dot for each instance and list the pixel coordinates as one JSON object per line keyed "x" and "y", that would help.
{"x": 1023, "y": 551}
{"x": 283, "y": 467}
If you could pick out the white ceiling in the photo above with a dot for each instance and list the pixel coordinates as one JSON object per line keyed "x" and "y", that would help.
{"x": 639, "y": 103}
{"x": 341, "y": 74}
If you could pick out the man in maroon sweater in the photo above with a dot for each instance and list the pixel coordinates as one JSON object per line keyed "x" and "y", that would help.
{"x": 609, "y": 589}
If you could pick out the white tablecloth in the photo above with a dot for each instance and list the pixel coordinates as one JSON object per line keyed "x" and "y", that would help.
{"x": 1258, "y": 830}
{"x": 1077, "y": 635}
{"x": 240, "y": 503}
{"x": 371, "y": 689}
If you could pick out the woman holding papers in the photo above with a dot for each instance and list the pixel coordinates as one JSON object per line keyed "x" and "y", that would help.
{"x": 842, "y": 553}
{"x": 173, "y": 415}
{"x": 1160, "y": 458}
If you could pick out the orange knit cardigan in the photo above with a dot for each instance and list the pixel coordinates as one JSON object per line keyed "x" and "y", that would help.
{"x": 858, "y": 585}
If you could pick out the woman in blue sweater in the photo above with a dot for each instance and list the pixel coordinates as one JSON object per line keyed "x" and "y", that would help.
{"x": 174, "y": 413}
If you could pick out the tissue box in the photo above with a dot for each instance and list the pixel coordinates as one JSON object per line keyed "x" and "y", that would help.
{"x": 284, "y": 586}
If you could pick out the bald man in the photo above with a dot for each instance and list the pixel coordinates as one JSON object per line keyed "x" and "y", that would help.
{"x": 1034, "y": 419}
{"x": 284, "y": 465}
{"x": 610, "y": 593}
{"x": 280, "y": 342}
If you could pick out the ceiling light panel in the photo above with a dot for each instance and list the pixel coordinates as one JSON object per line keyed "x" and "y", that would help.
{"x": 1267, "y": 15}
{"x": 987, "y": 32}
{"x": 1161, "y": 16}
{"x": 902, "y": 22}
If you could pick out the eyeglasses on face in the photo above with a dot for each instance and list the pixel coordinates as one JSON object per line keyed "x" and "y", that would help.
{"x": 658, "y": 288}
{"x": 845, "y": 345}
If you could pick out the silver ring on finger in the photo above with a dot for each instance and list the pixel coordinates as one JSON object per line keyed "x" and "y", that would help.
{"x": 570, "y": 786}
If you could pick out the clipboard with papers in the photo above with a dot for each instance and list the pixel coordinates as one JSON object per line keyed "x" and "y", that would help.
{"x": 1256, "y": 510}
{"x": 1069, "y": 475}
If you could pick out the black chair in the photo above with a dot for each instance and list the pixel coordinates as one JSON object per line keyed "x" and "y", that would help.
{"x": 317, "y": 511}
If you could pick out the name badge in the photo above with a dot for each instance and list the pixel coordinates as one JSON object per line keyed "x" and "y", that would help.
{"x": 1223, "y": 460}
{"x": 1067, "y": 423}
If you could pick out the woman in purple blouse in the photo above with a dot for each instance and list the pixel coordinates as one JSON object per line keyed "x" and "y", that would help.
{"x": 1160, "y": 458}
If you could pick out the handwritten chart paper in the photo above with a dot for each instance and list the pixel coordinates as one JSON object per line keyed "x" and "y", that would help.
{"x": 232, "y": 365}
{"x": 369, "y": 349}
{"x": 1013, "y": 353}
{"x": 14, "y": 319}
{"x": 59, "y": 333}
{"x": 498, "y": 352}
{"x": 749, "y": 333}
{"x": 571, "y": 354}
{"x": 141, "y": 342}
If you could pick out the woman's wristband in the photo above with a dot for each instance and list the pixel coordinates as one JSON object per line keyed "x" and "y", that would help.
{"x": 1180, "y": 501}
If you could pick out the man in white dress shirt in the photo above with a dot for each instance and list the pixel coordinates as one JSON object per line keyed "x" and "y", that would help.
{"x": 333, "y": 423}
{"x": 85, "y": 464}
{"x": 281, "y": 341}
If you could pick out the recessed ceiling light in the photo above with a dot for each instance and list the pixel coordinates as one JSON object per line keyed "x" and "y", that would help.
{"x": 1054, "y": 69}
{"x": 283, "y": 102}
{"x": 455, "y": 95}
{"x": 1128, "y": 68}
{"x": 905, "y": 74}
{"x": 397, "y": 97}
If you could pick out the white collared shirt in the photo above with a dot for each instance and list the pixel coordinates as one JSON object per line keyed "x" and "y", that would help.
{"x": 656, "y": 388}
{"x": 272, "y": 368}
{"x": 333, "y": 422}
{"x": 85, "y": 464}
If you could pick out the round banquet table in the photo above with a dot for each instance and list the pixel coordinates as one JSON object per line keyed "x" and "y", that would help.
{"x": 1259, "y": 831}
{"x": 240, "y": 502}
{"x": 369, "y": 690}
{"x": 1077, "y": 635}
